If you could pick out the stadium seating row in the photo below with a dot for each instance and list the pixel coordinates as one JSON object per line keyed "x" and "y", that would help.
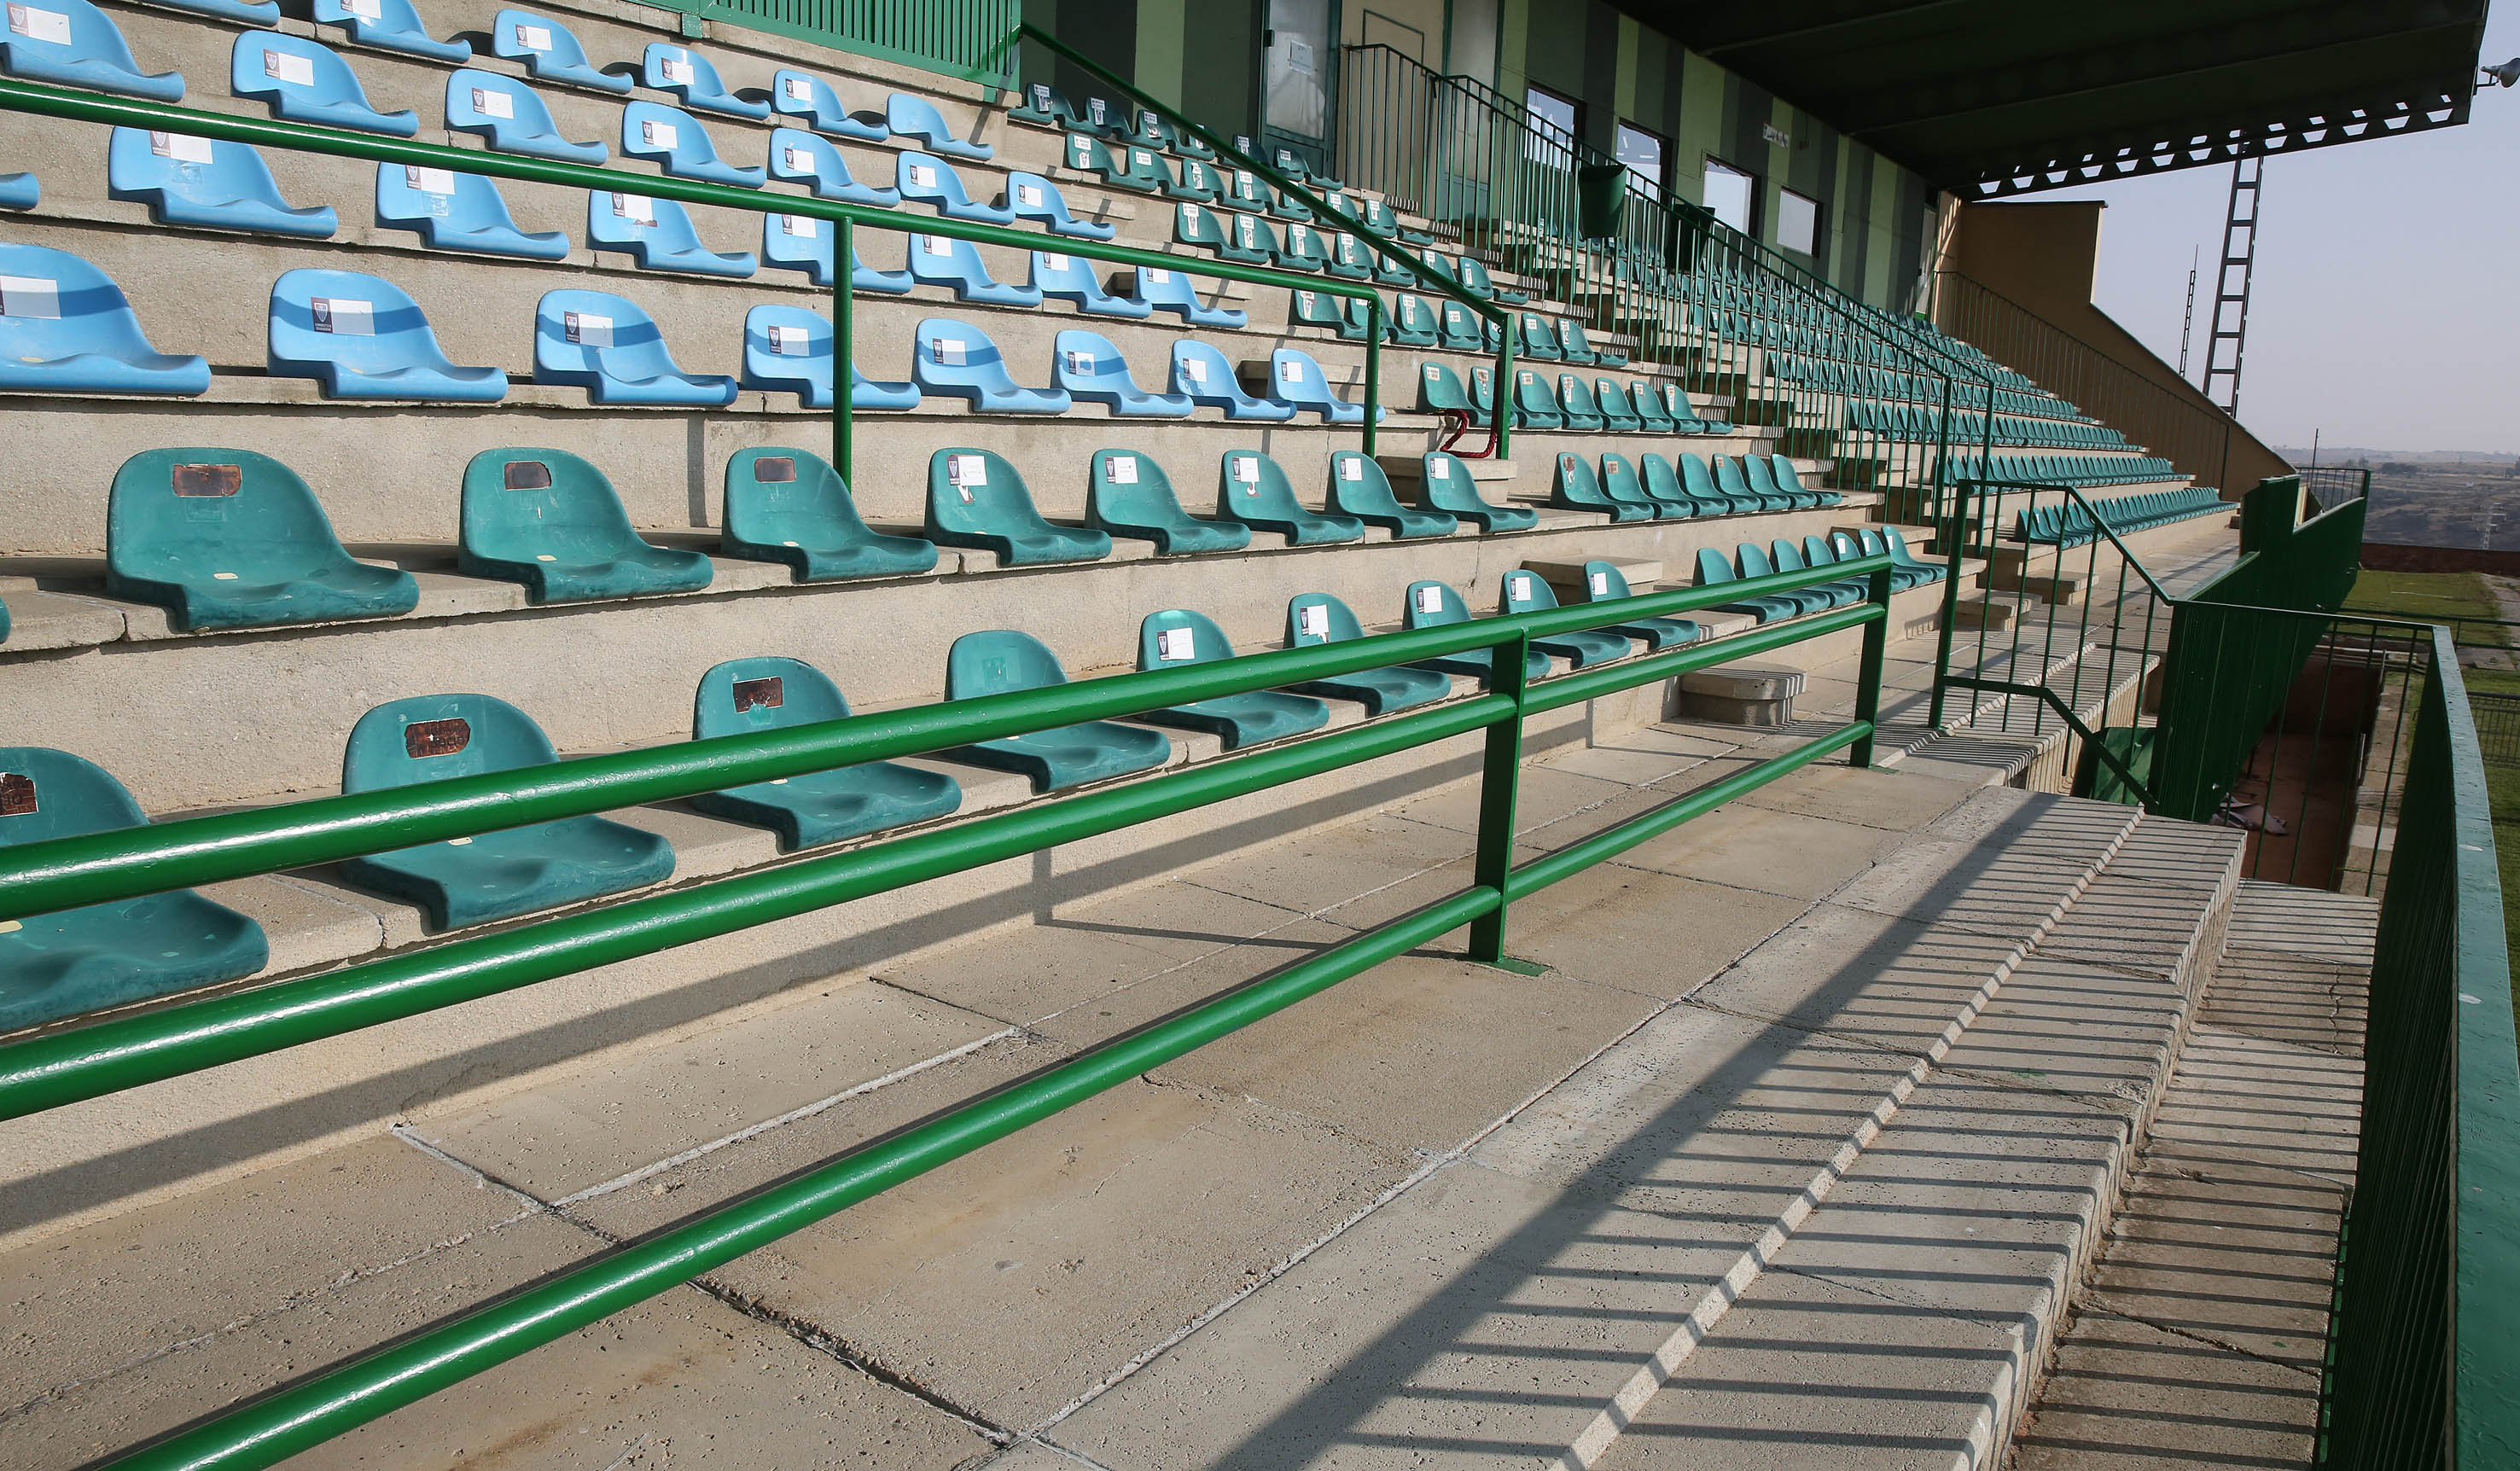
{"x": 2065, "y": 469}
{"x": 2074, "y": 525}
{"x": 1748, "y": 560}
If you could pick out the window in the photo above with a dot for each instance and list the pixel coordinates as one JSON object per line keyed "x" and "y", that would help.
{"x": 1729, "y": 192}
{"x": 1798, "y": 223}
{"x": 1643, "y": 152}
{"x": 1552, "y": 126}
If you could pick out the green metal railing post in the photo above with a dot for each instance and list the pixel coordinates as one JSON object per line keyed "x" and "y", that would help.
{"x": 1950, "y": 531}
{"x": 1499, "y": 785}
{"x": 1867, "y": 678}
{"x": 845, "y": 376}
{"x": 1372, "y": 370}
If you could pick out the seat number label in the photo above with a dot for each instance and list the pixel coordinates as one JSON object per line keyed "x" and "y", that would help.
{"x": 657, "y": 134}
{"x": 1176, "y": 643}
{"x": 1352, "y": 468}
{"x": 40, "y": 24}
{"x": 922, "y": 176}
{"x": 435, "y": 737}
{"x": 296, "y": 70}
{"x": 797, "y": 160}
{"x": 797, "y": 88}
{"x": 534, "y": 37}
{"x": 767, "y": 693}
{"x": 805, "y": 226}
{"x": 1028, "y": 197}
{"x": 344, "y": 317}
{"x": 183, "y": 148}
{"x": 935, "y": 245}
{"x": 1051, "y": 261}
{"x": 963, "y": 472}
{"x": 17, "y": 792}
{"x": 1430, "y": 600}
{"x": 677, "y": 70}
{"x": 1439, "y": 470}
{"x": 1291, "y": 371}
{"x": 947, "y": 351}
{"x": 587, "y": 330}
{"x": 1080, "y": 363}
{"x": 1120, "y": 470}
{"x": 1521, "y": 587}
{"x": 439, "y": 181}
{"x": 1194, "y": 369}
{"x": 1601, "y": 584}
{"x": 787, "y": 341}
{"x": 1313, "y": 621}
{"x": 490, "y": 102}
{"x": 637, "y": 208}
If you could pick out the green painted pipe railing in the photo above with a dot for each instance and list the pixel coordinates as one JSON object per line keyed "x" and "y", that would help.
{"x": 59, "y": 1069}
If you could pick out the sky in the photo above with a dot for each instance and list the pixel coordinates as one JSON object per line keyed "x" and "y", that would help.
{"x": 2385, "y": 310}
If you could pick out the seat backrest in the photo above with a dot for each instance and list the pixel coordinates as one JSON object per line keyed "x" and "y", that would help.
{"x": 941, "y": 258}
{"x": 996, "y": 660}
{"x": 1531, "y": 396}
{"x": 598, "y": 332}
{"x": 802, "y": 94}
{"x": 926, "y": 178}
{"x": 63, "y": 31}
{"x": 546, "y": 47}
{"x": 668, "y": 68}
{"x": 1728, "y": 475}
{"x": 1712, "y": 568}
{"x": 1177, "y": 636}
{"x": 1660, "y": 481}
{"x": 1297, "y": 378}
{"x": 1130, "y": 486}
{"x": 1034, "y": 198}
{"x": 1526, "y": 592}
{"x": 652, "y": 130}
{"x": 1255, "y": 236}
{"x": 1783, "y": 470}
{"x": 56, "y": 305}
{"x": 267, "y": 63}
{"x": 364, "y": 323}
{"x": 776, "y": 495}
{"x": 394, "y": 25}
{"x": 1319, "y": 618}
{"x": 628, "y": 220}
{"x": 1433, "y": 604}
{"x": 1193, "y": 225}
{"x": 1577, "y": 484}
{"x": 524, "y": 505}
{"x": 1817, "y": 552}
{"x": 910, "y": 116}
{"x": 205, "y": 172}
{"x": 786, "y": 342}
{"x": 501, "y": 107}
{"x": 48, "y": 794}
{"x": 1303, "y": 246}
{"x": 1087, "y": 363}
{"x": 1072, "y": 277}
{"x": 1602, "y": 581}
{"x": 952, "y": 352}
{"x": 1251, "y": 483}
{"x": 800, "y": 157}
{"x": 432, "y": 737}
{"x": 176, "y": 515}
{"x": 1202, "y": 373}
{"x": 1359, "y": 487}
{"x": 1540, "y": 337}
{"x": 978, "y": 493}
{"x": 743, "y": 695}
{"x": 1762, "y": 479}
{"x": 1753, "y": 561}
{"x": 1438, "y": 389}
{"x": 1619, "y": 479}
{"x": 1576, "y": 400}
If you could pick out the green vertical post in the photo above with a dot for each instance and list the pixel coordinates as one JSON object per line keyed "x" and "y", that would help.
{"x": 1867, "y": 677}
{"x": 1498, "y": 783}
{"x": 1500, "y": 413}
{"x": 844, "y": 355}
{"x": 1373, "y": 366}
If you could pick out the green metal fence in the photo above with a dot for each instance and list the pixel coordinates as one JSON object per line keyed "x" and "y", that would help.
{"x": 952, "y": 37}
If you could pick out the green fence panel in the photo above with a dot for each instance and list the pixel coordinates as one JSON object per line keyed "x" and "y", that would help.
{"x": 956, "y": 38}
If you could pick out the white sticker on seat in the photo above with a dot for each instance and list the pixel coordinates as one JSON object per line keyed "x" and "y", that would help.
{"x": 657, "y": 134}
{"x": 1029, "y": 197}
{"x": 1190, "y": 215}
{"x": 1291, "y": 371}
{"x": 1439, "y": 470}
{"x": 1051, "y": 260}
{"x": 803, "y": 225}
{"x": 1313, "y": 620}
{"x": 677, "y": 70}
{"x": 1094, "y": 107}
{"x": 1161, "y": 277}
{"x": 1303, "y": 301}
{"x": 1082, "y": 147}
{"x": 587, "y": 330}
{"x": 40, "y": 24}
{"x": 1142, "y": 158}
{"x": 1299, "y": 239}
{"x": 787, "y": 341}
{"x": 922, "y": 176}
{"x": 223, "y": 576}
{"x": 1080, "y": 362}
{"x": 1351, "y": 468}
{"x": 1120, "y": 470}
{"x": 1434, "y": 373}
{"x": 183, "y": 148}
{"x": 1148, "y": 123}
{"x": 945, "y": 350}
{"x": 637, "y": 208}
{"x": 365, "y": 10}
{"x": 797, "y": 88}
{"x": 935, "y": 245}
{"x": 289, "y": 68}
{"x": 344, "y": 316}
{"x": 1601, "y": 584}
{"x": 1246, "y": 468}
{"x": 1194, "y": 369}
{"x": 1527, "y": 377}
{"x": 1176, "y": 643}
{"x": 534, "y": 37}
{"x": 490, "y": 102}
{"x": 429, "y": 180}
{"x": 1521, "y": 586}
{"x": 963, "y": 471}
{"x": 1430, "y": 600}
{"x": 1248, "y": 227}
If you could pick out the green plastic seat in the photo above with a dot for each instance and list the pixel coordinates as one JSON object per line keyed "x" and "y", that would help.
{"x": 747, "y": 696}
{"x": 1605, "y": 583}
{"x": 789, "y": 505}
{"x": 1412, "y": 321}
{"x": 1320, "y": 618}
{"x": 998, "y": 660}
{"x": 1618, "y": 414}
{"x": 1359, "y": 488}
{"x": 1534, "y": 407}
{"x": 975, "y": 498}
{"x": 1753, "y": 561}
{"x": 1661, "y": 484}
{"x": 1620, "y": 483}
{"x": 1177, "y": 637}
{"x": 549, "y": 520}
{"x": 1320, "y": 309}
{"x": 1529, "y": 593}
{"x": 1737, "y": 486}
{"x": 1446, "y": 484}
{"x": 1440, "y": 391}
{"x": 1900, "y": 554}
{"x": 1575, "y": 405}
{"x": 112, "y": 954}
{"x": 1698, "y": 477}
{"x": 491, "y": 876}
{"x": 1576, "y": 488}
{"x": 1252, "y": 489}
{"x": 1128, "y": 494}
{"x": 1786, "y": 556}
{"x": 233, "y": 539}
{"x": 1434, "y": 605}
{"x": 1713, "y": 571}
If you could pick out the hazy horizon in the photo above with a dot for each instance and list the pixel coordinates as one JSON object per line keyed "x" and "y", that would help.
{"x": 2386, "y": 305}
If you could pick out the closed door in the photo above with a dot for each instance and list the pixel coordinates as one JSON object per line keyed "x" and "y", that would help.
{"x": 1300, "y": 67}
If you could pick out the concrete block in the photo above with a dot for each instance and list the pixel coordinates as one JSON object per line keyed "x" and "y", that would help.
{"x": 1740, "y": 695}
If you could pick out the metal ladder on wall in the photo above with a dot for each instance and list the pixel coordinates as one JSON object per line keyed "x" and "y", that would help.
{"x": 2231, "y": 307}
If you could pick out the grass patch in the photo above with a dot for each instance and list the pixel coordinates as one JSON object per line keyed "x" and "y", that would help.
{"x": 2428, "y": 594}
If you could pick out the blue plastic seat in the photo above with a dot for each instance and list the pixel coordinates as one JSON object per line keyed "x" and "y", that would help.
{"x": 1577, "y": 488}
{"x": 1072, "y": 277}
{"x": 1090, "y": 370}
{"x": 601, "y": 342}
{"x": 552, "y": 522}
{"x": 1713, "y": 570}
{"x": 64, "y": 328}
{"x": 304, "y": 81}
{"x": 657, "y": 234}
{"x": 1000, "y": 660}
{"x": 693, "y": 77}
{"x": 1201, "y": 375}
{"x": 748, "y": 697}
{"x": 226, "y": 538}
{"x": 112, "y": 954}
{"x": 787, "y": 349}
{"x": 1526, "y": 592}
{"x": 958, "y": 360}
{"x": 1359, "y": 488}
{"x": 910, "y": 116}
{"x": 363, "y": 338}
{"x": 1030, "y": 197}
{"x": 925, "y": 179}
{"x": 1446, "y": 484}
{"x": 789, "y": 505}
{"x": 1166, "y": 289}
{"x": 23, "y": 192}
{"x": 250, "y": 11}
{"x": 1605, "y": 583}
{"x": 390, "y": 26}
{"x": 513, "y": 117}
{"x": 799, "y": 158}
{"x": 1320, "y": 618}
{"x": 204, "y": 183}
{"x": 803, "y": 243}
{"x": 1295, "y": 378}
{"x": 1250, "y": 488}
{"x": 1434, "y": 605}
{"x": 1128, "y": 494}
{"x": 77, "y": 45}
{"x": 811, "y": 99}
{"x": 1176, "y": 638}
{"x": 975, "y": 498}
{"x": 454, "y": 211}
{"x": 549, "y": 50}
{"x": 941, "y": 260}
{"x": 491, "y": 876}
{"x": 676, "y": 142}
{"x": 1196, "y": 225}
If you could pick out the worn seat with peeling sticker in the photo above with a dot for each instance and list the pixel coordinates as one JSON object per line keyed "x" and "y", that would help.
{"x": 1577, "y": 488}
{"x": 676, "y": 143}
{"x": 64, "y": 328}
{"x": 925, "y": 179}
{"x": 77, "y": 45}
{"x": 1436, "y": 605}
{"x": 1526, "y": 592}
{"x": 1576, "y": 411}
{"x": 552, "y": 522}
{"x": 791, "y": 505}
{"x": 206, "y": 183}
{"x": 797, "y": 156}
{"x": 362, "y": 338}
{"x": 1176, "y": 638}
{"x": 1359, "y": 488}
{"x": 747, "y": 696}
{"x": 958, "y": 361}
{"x": 389, "y": 25}
{"x": 604, "y": 345}
{"x": 808, "y": 98}
{"x": 667, "y": 67}
{"x": 1092, "y": 370}
{"x": 453, "y": 211}
{"x": 112, "y": 954}
{"x": 513, "y": 117}
{"x": 976, "y": 500}
{"x": 787, "y": 349}
{"x": 1446, "y": 484}
{"x": 1319, "y": 618}
{"x": 307, "y": 81}
{"x": 1128, "y": 494}
{"x": 996, "y": 662}
{"x": 234, "y": 539}
{"x": 658, "y": 234}
{"x": 491, "y": 876}
{"x": 549, "y": 50}
{"x": 1253, "y": 489}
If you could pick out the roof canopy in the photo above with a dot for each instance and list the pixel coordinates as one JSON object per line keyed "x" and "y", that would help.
{"x": 1992, "y": 96}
